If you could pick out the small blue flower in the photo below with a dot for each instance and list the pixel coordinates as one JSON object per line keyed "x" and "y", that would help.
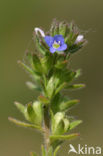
{"x": 55, "y": 43}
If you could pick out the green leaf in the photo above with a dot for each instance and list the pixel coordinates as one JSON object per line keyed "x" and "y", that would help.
{"x": 66, "y": 105}
{"x": 29, "y": 56}
{"x": 63, "y": 75}
{"x": 40, "y": 46}
{"x": 70, "y": 76}
{"x": 33, "y": 86}
{"x": 50, "y": 87}
{"x": 31, "y": 113}
{"x": 78, "y": 73}
{"x": 54, "y": 30}
{"x": 66, "y": 124}
{"x": 61, "y": 64}
{"x": 50, "y": 151}
{"x": 75, "y": 86}
{"x": 74, "y": 124}
{"x": 37, "y": 63}
{"x": 63, "y": 137}
{"x": 20, "y": 107}
{"x": 34, "y": 74}
{"x": 33, "y": 154}
{"x": 43, "y": 151}
{"x": 27, "y": 68}
{"x": 60, "y": 87}
{"x": 23, "y": 124}
{"x": 47, "y": 63}
{"x": 38, "y": 109}
{"x": 62, "y": 28}
{"x": 56, "y": 150}
{"x": 58, "y": 123}
{"x": 43, "y": 99}
{"x": 52, "y": 27}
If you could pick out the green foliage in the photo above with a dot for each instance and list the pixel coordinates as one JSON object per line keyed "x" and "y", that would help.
{"x": 32, "y": 112}
{"x": 75, "y": 86}
{"x": 33, "y": 154}
{"x": 43, "y": 151}
{"x": 23, "y": 124}
{"x": 63, "y": 137}
{"x": 75, "y": 124}
{"x": 51, "y": 75}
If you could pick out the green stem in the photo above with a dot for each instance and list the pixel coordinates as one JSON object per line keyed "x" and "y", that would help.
{"x": 46, "y": 127}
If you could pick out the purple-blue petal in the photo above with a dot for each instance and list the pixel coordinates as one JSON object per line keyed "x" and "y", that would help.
{"x": 62, "y": 48}
{"x": 52, "y": 50}
{"x": 49, "y": 40}
{"x": 59, "y": 38}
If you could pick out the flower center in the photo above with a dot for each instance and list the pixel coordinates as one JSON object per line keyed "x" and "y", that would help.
{"x": 56, "y": 45}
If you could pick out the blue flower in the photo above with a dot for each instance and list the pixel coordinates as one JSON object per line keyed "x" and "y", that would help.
{"x": 55, "y": 43}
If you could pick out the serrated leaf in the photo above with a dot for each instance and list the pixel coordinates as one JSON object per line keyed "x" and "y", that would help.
{"x": 63, "y": 137}
{"x": 66, "y": 105}
{"x": 23, "y": 124}
{"x": 74, "y": 124}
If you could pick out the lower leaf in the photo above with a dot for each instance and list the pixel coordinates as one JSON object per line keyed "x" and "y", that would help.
{"x": 23, "y": 124}
{"x": 63, "y": 137}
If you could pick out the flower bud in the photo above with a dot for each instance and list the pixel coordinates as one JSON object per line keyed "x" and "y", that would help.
{"x": 40, "y": 31}
{"x": 79, "y": 39}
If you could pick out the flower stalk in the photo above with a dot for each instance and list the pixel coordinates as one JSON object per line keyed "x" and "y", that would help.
{"x": 51, "y": 76}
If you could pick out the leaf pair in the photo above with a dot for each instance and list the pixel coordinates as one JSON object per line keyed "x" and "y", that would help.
{"x": 61, "y": 104}
{"x": 32, "y": 112}
{"x": 60, "y": 123}
{"x": 58, "y": 81}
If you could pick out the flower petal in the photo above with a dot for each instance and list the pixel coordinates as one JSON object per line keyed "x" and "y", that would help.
{"x": 49, "y": 40}
{"x": 52, "y": 50}
{"x": 58, "y": 38}
{"x": 62, "y": 48}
